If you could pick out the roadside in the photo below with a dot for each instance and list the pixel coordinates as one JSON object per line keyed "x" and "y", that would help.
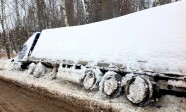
{"x": 15, "y": 97}
{"x": 75, "y": 95}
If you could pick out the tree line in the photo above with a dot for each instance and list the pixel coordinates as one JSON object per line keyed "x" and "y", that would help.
{"x": 19, "y": 19}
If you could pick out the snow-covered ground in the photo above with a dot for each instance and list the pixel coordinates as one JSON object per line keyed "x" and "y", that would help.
{"x": 165, "y": 104}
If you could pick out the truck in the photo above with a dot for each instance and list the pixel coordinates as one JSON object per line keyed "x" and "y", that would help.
{"x": 140, "y": 55}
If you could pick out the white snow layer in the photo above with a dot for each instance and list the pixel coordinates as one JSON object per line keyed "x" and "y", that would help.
{"x": 40, "y": 70}
{"x": 32, "y": 67}
{"x": 153, "y": 40}
{"x": 2, "y": 64}
{"x": 70, "y": 74}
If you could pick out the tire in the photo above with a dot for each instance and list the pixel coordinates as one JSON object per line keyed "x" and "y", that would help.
{"x": 31, "y": 68}
{"x": 40, "y": 70}
{"x": 110, "y": 85}
{"x": 139, "y": 90}
{"x": 91, "y": 79}
{"x": 24, "y": 66}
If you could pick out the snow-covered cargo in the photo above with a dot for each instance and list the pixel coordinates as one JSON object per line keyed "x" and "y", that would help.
{"x": 146, "y": 47}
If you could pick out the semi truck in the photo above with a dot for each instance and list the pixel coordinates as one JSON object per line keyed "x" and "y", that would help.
{"x": 140, "y": 55}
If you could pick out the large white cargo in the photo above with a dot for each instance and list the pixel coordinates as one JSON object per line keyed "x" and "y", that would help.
{"x": 153, "y": 39}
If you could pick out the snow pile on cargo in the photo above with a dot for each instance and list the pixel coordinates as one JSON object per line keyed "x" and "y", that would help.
{"x": 152, "y": 40}
{"x": 61, "y": 87}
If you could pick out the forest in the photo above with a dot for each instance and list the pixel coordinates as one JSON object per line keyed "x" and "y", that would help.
{"x": 19, "y": 19}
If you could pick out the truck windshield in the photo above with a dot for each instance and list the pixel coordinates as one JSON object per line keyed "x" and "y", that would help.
{"x": 22, "y": 52}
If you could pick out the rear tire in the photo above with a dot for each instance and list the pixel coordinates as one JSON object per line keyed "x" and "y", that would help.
{"x": 91, "y": 79}
{"x": 139, "y": 90}
{"x": 40, "y": 70}
{"x": 111, "y": 84}
{"x": 24, "y": 65}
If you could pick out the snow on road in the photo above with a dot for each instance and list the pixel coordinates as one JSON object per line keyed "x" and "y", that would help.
{"x": 165, "y": 104}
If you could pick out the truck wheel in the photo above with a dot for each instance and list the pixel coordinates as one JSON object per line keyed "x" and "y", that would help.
{"x": 89, "y": 79}
{"x": 24, "y": 66}
{"x": 31, "y": 68}
{"x": 139, "y": 90}
{"x": 110, "y": 84}
{"x": 40, "y": 70}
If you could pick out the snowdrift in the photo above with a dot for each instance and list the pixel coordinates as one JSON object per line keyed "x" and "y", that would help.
{"x": 153, "y": 40}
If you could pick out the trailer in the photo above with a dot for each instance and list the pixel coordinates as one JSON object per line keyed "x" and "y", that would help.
{"x": 141, "y": 55}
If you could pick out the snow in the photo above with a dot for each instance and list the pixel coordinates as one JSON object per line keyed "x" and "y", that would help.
{"x": 177, "y": 83}
{"x": 8, "y": 65}
{"x": 152, "y": 40}
{"x": 137, "y": 90}
{"x": 92, "y": 77}
{"x": 40, "y": 70}
{"x": 2, "y": 64}
{"x": 88, "y": 82}
{"x": 32, "y": 67}
{"x": 70, "y": 74}
{"x": 110, "y": 85}
{"x": 53, "y": 74}
{"x": 126, "y": 78}
{"x": 165, "y": 104}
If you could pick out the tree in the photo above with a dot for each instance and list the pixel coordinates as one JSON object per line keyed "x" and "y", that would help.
{"x": 5, "y": 40}
{"x": 107, "y": 7}
{"x": 70, "y": 12}
{"x": 64, "y": 13}
{"x": 42, "y": 22}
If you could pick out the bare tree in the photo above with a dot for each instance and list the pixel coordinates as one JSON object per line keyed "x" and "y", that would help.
{"x": 64, "y": 13}
{"x": 42, "y": 22}
{"x": 5, "y": 41}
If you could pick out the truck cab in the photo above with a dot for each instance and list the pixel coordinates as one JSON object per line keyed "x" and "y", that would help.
{"x": 27, "y": 49}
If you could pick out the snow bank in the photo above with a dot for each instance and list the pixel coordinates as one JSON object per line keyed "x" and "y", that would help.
{"x": 153, "y": 40}
{"x": 7, "y": 64}
{"x": 2, "y": 64}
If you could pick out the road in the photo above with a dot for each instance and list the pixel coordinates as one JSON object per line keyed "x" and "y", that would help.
{"x": 16, "y": 99}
